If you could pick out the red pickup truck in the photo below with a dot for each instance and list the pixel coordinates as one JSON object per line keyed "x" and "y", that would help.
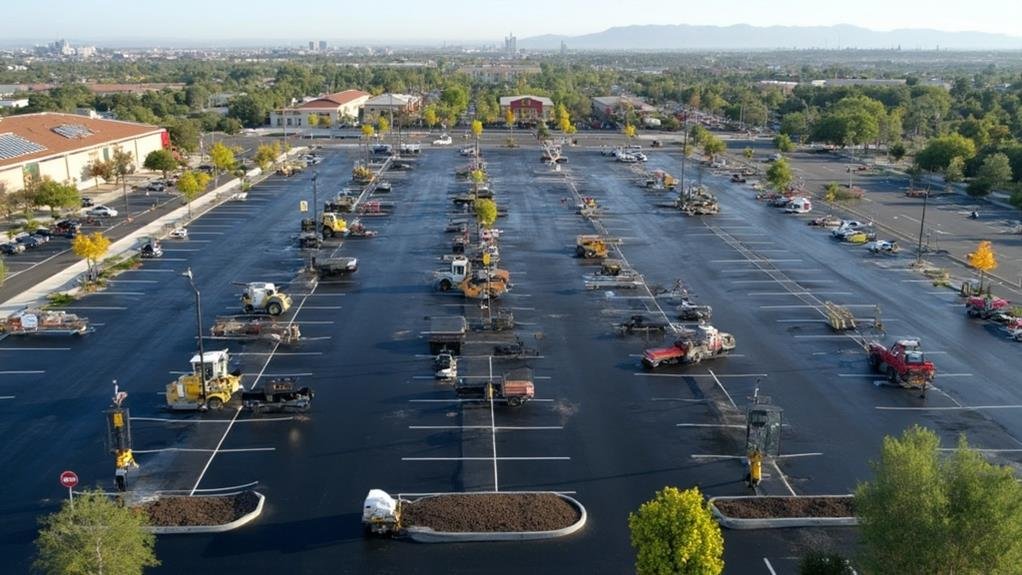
{"x": 691, "y": 347}
{"x": 903, "y": 363}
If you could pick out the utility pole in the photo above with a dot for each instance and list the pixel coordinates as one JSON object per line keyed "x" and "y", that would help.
{"x": 315, "y": 204}
{"x": 198, "y": 328}
{"x": 922, "y": 223}
{"x": 684, "y": 154}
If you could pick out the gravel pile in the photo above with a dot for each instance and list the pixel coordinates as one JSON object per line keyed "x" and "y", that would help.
{"x": 187, "y": 511}
{"x": 492, "y": 512}
{"x": 771, "y": 507}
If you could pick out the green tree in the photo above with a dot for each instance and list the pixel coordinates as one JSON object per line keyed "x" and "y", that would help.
{"x": 779, "y": 175}
{"x": 56, "y": 195}
{"x": 897, "y": 151}
{"x": 94, "y": 535}
{"x": 184, "y": 134}
{"x": 712, "y": 145}
{"x": 123, "y": 163}
{"x": 955, "y": 170}
{"x": 925, "y": 514}
{"x": 161, "y": 161}
{"x": 97, "y": 169}
{"x": 822, "y": 563}
{"x": 675, "y": 534}
{"x": 486, "y": 212}
{"x": 382, "y": 125}
{"x": 251, "y": 111}
{"x": 222, "y": 157}
{"x": 995, "y": 170}
{"x": 783, "y": 143}
{"x": 697, "y": 134}
{"x": 266, "y": 154}
{"x": 191, "y": 184}
{"x": 229, "y": 126}
{"x": 937, "y": 154}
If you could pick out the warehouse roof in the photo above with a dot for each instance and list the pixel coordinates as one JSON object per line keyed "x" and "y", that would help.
{"x": 36, "y": 136}
{"x": 334, "y": 100}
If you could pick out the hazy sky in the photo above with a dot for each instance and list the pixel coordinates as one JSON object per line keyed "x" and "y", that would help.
{"x": 487, "y": 20}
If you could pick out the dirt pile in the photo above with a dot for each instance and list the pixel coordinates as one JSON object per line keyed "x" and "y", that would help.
{"x": 492, "y": 512}
{"x": 187, "y": 511}
{"x": 772, "y": 507}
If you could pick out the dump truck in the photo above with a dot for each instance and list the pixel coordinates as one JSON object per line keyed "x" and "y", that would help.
{"x": 334, "y": 267}
{"x": 45, "y": 322}
{"x": 591, "y": 246}
{"x": 986, "y": 307}
{"x": 473, "y": 284}
{"x": 515, "y": 387}
{"x": 445, "y": 366}
{"x": 249, "y": 328}
{"x": 692, "y": 346}
{"x": 903, "y": 363}
{"x": 187, "y": 394}
{"x": 280, "y": 394}
{"x": 447, "y": 332}
{"x": 264, "y": 297}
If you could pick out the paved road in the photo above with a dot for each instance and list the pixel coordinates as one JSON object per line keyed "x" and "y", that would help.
{"x": 606, "y": 431}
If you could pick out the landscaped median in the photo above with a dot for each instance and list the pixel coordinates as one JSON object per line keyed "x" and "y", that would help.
{"x": 183, "y": 514}
{"x": 772, "y": 512}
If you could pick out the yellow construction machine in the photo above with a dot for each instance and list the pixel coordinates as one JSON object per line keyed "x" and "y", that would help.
{"x": 591, "y": 246}
{"x": 211, "y": 384}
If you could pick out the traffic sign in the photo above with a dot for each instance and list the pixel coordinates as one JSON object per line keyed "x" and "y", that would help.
{"x": 69, "y": 479}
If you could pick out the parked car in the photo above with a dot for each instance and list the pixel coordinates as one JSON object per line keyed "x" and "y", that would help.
{"x": 87, "y": 202}
{"x": 156, "y": 186}
{"x": 205, "y": 168}
{"x": 443, "y": 140}
{"x": 30, "y": 241}
{"x": 178, "y": 234}
{"x": 11, "y": 248}
{"x": 102, "y": 211}
{"x": 46, "y": 232}
{"x": 799, "y": 205}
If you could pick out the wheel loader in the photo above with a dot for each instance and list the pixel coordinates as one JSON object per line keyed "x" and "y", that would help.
{"x": 186, "y": 393}
{"x": 591, "y": 246}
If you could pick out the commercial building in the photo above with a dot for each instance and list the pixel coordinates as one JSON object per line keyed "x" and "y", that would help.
{"x": 14, "y": 103}
{"x": 61, "y": 146}
{"x": 499, "y": 73}
{"x": 610, "y": 107}
{"x": 527, "y": 109}
{"x": 341, "y": 108}
{"x": 391, "y": 105}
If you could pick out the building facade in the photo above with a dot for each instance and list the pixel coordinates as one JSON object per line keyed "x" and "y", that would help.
{"x": 61, "y": 146}
{"x": 611, "y": 107}
{"x": 528, "y": 109}
{"x": 388, "y": 105}
{"x": 339, "y": 109}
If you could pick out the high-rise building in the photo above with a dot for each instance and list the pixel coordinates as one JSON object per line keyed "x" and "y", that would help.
{"x": 312, "y": 45}
{"x": 511, "y": 45}
{"x": 322, "y": 45}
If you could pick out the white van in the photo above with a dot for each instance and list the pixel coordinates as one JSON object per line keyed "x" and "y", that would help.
{"x": 799, "y": 205}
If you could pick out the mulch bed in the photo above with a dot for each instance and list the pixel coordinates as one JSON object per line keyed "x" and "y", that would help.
{"x": 494, "y": 512}
{"x": 186, "y": 511}
{"x": 772, "y": 507}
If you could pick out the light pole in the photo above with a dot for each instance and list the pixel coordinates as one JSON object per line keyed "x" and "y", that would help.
{"x": 198, "y": 329}
{"x": 922, "y": 222}
{"x": 315, "y": 204}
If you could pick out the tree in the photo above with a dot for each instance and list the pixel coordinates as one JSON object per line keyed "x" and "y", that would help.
{"x": 629, "y": 131}
{"x": 382, "y": 125}
{"x": 161, "y": 161}
{"x": 995, "y": 170}
{"x": 938, "y": 153}
{"x": 99, "y": 169}
{"x": 821, "y": 563}
{"x": 123, "y": 163}
{"x": 56, "y": 195}
{"x": 509, "y": 119}
{"x": 3, "y": 271}
{"x": 897, "y": 151}
{"x": 191, "y": 184}
{"x": 90, "y": 247}
{"x": 368, "y": 131}
{"x": 675, "y": 533}
{"x": 313, "y": 120}
{"x": 925, "y": 514}
{"x": 266, "y": 154}
{"x": 486, "y": 212}
{"x": 229, "y": 126}
{"x": 779, "y": 175}
{"x": 783, "y": 143}
{"x": 983, "y": 259}
{"x": 184, "y": 134}
{"x": 94, "y": 535}
{"x": 712, "y": 145}
{"x": 222, "y": 157}
{"x": 430, "y": 116}
{"x": 698, "y": 133}
{"x": 477, "y": 128}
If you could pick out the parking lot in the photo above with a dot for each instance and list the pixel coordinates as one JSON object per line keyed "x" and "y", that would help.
{"x": 601, "y": 427}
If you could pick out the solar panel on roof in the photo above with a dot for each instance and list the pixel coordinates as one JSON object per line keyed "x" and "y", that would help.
{"x": 12, "y": 146}
{"x": 73, "y": 131}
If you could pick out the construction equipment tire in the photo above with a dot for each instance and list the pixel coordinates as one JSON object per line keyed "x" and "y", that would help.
{"x": 274, "y": 308}
{"x": 214, "y": 404}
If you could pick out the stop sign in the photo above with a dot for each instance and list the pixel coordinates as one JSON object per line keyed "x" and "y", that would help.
{"x": 68, "y": 479}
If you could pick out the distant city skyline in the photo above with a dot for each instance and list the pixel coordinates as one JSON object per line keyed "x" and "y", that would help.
{"x": 406, "y": 22}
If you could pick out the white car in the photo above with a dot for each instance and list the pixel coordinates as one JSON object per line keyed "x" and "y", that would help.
{"x": 178, "y": 234}
{"x": 443, "y": 140}
{"x": 882, "y": 247}
{"x": 102, "y": 211}
{"x": 848, "y": 226}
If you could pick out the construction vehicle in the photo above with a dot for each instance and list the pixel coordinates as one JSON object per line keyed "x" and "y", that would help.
{"x": 247, "y": 328}
{"x": 356, "y": 229}
{"x": 288, "y": 169}
{"x": 641, "y": 324}
{"x": 361, "y": 174}
{"x": 333, "y": 267}
{"x": 491, "y": 283}
{"x": 688, "y": 311}
{"x": 330, "y": 223}
{"x": 118, "y": 438}
{"x": 447, "y": 333}
{"x": 588, "y": 207}
{"x": 515, "y": 387}
{"x": 986, "y": 307}
{"x": 264, "y": 297}
{"x": 44, "y": 322}
{"x": 381, "y": 513}
{"x": 838, "y": 317}
{"x": 280, "y": 394}
{"x": 343, "y": 202}
{"x": 187, "y": 393}
{"x": 591, "y": 246}
{"x": 903, "y": 363}
{"x": 151, "y": 249}
{"x": 515, "y": 349}
{"x": 692, "y": 346}
{"x": 698, "y": 201}
{"x": 445, "y": 366}
{"x": 499, "y": 320}
{"x": 623, "y": 279}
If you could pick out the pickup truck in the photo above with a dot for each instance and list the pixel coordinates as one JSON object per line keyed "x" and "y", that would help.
{"x": 693, "y": 346}
{"x": 903, "y": 363}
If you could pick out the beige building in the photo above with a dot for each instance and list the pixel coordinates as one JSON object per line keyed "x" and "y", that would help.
{"x": 342, "y": 108}
{"x": 391, "y": 105}
{"x": 61, "y": 146}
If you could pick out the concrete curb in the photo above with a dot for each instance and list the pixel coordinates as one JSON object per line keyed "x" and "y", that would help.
{"x": 778, "y": 522}
{"x": 427, "y": 535}
{"x": 66, "y": 280}
{"x": 191, "y": 529}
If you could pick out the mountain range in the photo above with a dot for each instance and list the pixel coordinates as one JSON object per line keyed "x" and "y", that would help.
{"x": 748, "y": 37}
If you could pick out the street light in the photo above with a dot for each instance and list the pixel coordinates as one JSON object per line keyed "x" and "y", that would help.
{"x": 198, "y": 328}
{"x": 922, "y": 223}
{"x": 315, "y": 204}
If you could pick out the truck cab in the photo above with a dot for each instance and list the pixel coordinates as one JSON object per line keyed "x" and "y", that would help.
{"x": 904, "y": 363}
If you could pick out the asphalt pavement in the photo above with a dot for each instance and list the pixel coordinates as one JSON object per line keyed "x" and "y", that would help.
{"x": 602, "y": 428}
